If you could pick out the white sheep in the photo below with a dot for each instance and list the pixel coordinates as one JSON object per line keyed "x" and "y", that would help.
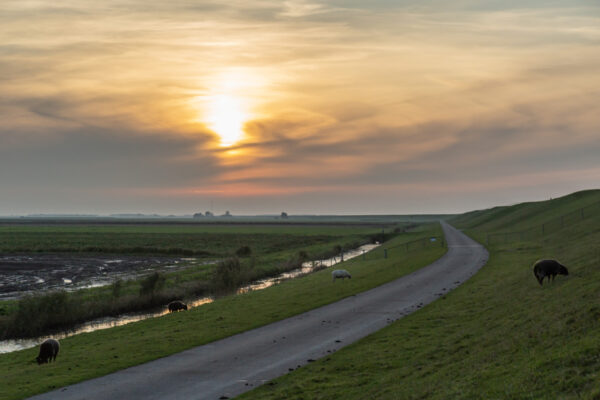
{"x": 341, "y": 274}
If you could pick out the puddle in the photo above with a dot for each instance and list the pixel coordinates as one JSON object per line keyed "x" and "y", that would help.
{"x": 7, "y": 346}
{"x": 24, "y": 274}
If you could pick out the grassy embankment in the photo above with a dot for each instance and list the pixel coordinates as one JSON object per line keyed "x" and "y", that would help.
{"x": 498, "y": 336}
{"x": 270, "y": 250}
{"x": 94, "y": 354}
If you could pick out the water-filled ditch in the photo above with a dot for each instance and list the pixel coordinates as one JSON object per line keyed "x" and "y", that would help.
{"x": 7, "y": 346}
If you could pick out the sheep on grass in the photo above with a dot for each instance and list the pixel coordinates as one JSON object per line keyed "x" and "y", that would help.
{"x": 48, "y": 351}
{"x": 548, "y": 268}
{"x": 177, "y": 306}
{"x": 340, "y": 274}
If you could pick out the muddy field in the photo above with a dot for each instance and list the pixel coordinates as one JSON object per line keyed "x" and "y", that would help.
{"x": 24, "y": 273}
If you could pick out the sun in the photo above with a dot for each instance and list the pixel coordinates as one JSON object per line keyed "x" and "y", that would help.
{"x": 229, "y": 102}
{"x": 226, "y": 116}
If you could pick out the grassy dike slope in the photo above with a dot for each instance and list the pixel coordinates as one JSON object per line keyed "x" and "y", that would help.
{"x": 498, "y": 336}
{"x": 98, "y": 353}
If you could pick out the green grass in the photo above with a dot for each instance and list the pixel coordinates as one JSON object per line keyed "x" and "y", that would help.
{"x": 525, "y": 215}
{"x": 276, "y": 250}
{"x": 498, "y": 336}
{"x": 95, "y": 354}
{"x": 199, "y": 240}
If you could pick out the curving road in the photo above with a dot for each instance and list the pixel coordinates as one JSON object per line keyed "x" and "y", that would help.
{"x": 231, "y": 366}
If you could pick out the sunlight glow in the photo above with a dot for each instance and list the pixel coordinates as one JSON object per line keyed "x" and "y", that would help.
{"x": 229, "y": 103}
{"x": 226, "y": 117}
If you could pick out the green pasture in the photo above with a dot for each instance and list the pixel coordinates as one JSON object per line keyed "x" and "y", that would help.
{"x": 273, "y": 250}
{"x": 197, "y": 240}
{"x": 94, "y": 354}
{"x": 500, "y": 335}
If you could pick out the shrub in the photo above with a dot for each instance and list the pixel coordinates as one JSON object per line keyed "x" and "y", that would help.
{"x": 51, "y": 311}
{"x": 302, "y": 255}
{"x": 152, "y": 284}
{"x": 243, "y": 251}
{"x": 116, "y": 288}
{"x": 228, "y": 275}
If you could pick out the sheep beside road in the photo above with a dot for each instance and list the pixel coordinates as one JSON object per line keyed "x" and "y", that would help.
{"x": 48, "y": 351}
{"x": 548, "y": 268}
{"x": 177, "y": 306}
{"x": 340, "y": 274}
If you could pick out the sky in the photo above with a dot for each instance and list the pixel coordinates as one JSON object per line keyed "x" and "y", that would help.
{"x": 307, "y": 107}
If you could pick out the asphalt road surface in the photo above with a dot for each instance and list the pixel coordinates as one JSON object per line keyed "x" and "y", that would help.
{"x": 231, "y": 366}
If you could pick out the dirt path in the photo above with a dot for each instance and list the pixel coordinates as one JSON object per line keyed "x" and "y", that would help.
{"x": 231, "y": 366}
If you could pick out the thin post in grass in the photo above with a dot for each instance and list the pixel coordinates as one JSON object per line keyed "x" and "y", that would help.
{"x": 385, "y": 253}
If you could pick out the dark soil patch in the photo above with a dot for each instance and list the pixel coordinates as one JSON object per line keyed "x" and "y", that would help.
{"x": 24, "y": 273}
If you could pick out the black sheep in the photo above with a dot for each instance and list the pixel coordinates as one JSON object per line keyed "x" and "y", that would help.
{"x": 48, "y": 351}
{"x": 177, "y": 306}
{"x": 548, "y": 268}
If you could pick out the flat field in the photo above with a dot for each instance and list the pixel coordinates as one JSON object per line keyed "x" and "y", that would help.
{"x": 94, "y": 354}
{"x": 206, "y": 240}
{"x": 64, "y": 255}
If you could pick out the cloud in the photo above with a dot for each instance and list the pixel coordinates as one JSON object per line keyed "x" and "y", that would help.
{"x": 347, "y": 102}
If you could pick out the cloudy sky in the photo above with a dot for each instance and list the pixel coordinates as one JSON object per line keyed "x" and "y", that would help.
{"x": 263, "y": 106}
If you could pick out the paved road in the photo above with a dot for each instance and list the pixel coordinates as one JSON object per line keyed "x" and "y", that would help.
{"x": 236, "y": 364}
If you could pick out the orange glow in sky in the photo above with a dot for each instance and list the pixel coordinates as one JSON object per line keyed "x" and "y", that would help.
{"x": 269, "y": 97}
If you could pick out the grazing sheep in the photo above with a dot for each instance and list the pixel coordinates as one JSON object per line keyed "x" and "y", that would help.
{"x": 177, "y": 306}
{"x": 340, "y": 274}
{"x": 48, "y": 351}
{"x": 548, "y": 268}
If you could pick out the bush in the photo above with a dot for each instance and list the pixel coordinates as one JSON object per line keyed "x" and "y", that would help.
{"x": 51, "y": 311}
{"x": 152, "y": 284}
{"x": 302, "y": 256}
{"x": 228, "y": 275}
{"x": 243, "y": 251}
{"x": 116, "y": 288}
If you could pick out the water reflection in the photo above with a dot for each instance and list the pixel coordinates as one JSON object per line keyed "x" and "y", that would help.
{"x": 7, "y": 346}
{"x": 307, "y": 268}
